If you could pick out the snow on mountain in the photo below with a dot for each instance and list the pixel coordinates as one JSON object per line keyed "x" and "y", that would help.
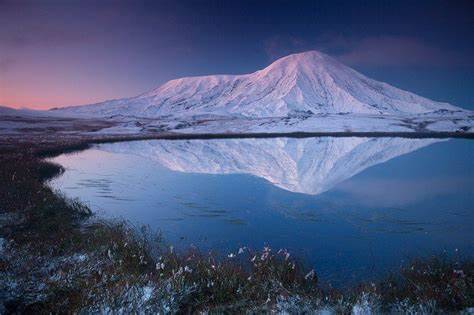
{"x": 309, "y": 82}
{"x": 310, "y": 165}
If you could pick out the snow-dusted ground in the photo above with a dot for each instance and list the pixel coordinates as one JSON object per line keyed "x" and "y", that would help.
{"x": 311, "y": 123}
{"x": 21, "y": 124}
{"x": 323, "y": 123}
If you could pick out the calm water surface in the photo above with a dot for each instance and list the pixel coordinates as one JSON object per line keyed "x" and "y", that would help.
{"x": 351, "y": 208}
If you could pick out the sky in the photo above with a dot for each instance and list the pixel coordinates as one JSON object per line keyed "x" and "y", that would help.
{"x": 60, "y": 53}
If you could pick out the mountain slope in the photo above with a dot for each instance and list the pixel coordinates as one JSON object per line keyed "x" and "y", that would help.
{"x": 309, "y": 82}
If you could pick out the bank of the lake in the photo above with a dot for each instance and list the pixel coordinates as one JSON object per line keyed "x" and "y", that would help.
{"x": 58, "y": 257}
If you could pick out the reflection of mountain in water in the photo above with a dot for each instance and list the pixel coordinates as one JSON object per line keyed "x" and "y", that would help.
{"x": 310, "y": 166}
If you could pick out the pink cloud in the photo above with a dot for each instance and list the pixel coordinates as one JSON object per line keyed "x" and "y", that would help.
{"x": 371, "y": 51}
{"x": 279, "y": 46}
{"x": 400, "y": 51}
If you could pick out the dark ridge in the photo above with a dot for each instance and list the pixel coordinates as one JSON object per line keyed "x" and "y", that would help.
{"x": 204, "y": 136}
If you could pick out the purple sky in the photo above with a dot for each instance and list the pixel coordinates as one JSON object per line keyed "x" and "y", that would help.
{"x": 58, "y": 53}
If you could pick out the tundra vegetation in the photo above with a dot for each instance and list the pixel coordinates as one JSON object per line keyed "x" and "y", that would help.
{"x": 57, "y": 257}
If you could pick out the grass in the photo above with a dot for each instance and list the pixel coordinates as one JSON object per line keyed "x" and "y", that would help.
{"x": 57, "y": 257}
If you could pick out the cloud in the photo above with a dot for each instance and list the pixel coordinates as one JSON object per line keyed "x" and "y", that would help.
{"x": 400, "y": 51}
{"x": 385, "y": 51}
{"x": 278, "y": 46}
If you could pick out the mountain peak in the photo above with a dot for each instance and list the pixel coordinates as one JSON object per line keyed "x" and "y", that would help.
{"x": 304, "y": 60}
{"x": 310, "y": 82}
{"x": 310, "y": 55}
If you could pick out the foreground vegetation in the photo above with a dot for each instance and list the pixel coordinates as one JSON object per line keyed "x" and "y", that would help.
{"x": 55, "y": 256}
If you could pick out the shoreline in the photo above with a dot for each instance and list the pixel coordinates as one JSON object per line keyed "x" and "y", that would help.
{"x": 263, "y": 135}
{"x": 10, "y": 142}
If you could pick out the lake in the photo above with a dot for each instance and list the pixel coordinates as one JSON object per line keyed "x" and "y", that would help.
{"x": 351, "y": 208}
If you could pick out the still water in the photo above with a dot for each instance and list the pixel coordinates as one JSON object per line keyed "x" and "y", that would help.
{"x": 352, "y": 208}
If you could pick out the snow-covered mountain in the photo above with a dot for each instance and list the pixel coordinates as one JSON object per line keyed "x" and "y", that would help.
{"x": 309, "y": 82}
{"x": 310, "y": 165}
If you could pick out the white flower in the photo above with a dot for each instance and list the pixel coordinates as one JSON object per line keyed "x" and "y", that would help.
{"x": 309, "y": 275}
{"x": 180, "y": 271}
{"x": 147, "y": 293}
{"x": 241, "y": 250}
{"x": 231, "y": 255}
{"x": 187, "y": 269}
